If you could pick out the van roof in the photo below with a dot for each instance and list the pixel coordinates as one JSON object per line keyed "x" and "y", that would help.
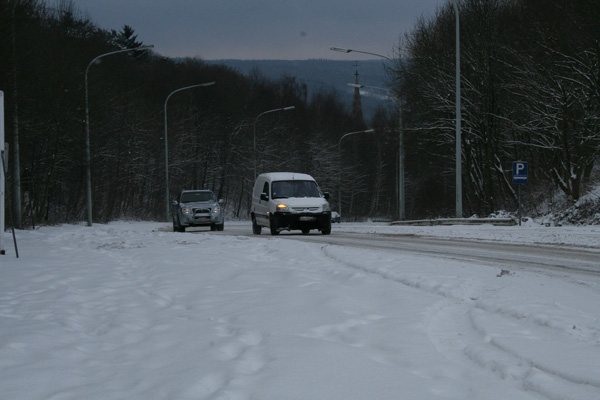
{"x": 287, "y": 176}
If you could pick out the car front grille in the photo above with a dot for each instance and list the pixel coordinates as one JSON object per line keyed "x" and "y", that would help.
{"x": 305, "y": 209}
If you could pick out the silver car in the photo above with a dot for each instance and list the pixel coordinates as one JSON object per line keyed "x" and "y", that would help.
{"x": 197, "y": 208}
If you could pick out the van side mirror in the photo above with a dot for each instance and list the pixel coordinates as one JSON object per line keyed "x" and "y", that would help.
{"x": 264, "y": 197}
{"x": 326, "y": 195}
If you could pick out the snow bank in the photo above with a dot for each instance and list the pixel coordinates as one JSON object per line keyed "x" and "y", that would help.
{"x": 130, "y": 310}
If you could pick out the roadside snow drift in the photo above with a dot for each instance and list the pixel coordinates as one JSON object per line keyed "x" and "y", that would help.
{"x": 131, "y": 311}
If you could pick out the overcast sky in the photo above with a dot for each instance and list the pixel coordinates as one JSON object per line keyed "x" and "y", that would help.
{"x": 261, "y": 29}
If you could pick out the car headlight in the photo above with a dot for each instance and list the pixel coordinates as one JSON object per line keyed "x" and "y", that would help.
{"x": 217, "y": 210}
{"x": 282, "y": 208}
{"x": 326, "y": 207}
{"x": 185, "y": 210}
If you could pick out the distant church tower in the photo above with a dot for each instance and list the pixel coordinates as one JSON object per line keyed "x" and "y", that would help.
{"x": 357, "y": 113}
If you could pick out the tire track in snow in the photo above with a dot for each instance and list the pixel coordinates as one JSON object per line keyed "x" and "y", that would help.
{"x": 452, "y": 287}
{"x": 480, "y": 323}
{"x": 238, "y": 354}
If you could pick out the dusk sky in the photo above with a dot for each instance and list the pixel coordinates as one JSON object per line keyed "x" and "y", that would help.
{"x": 261, "y": 29}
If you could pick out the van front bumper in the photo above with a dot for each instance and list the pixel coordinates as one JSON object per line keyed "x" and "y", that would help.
{"x": 294, "y": 221}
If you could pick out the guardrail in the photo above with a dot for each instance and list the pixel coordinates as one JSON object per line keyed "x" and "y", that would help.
{"x": 458, "y": 221}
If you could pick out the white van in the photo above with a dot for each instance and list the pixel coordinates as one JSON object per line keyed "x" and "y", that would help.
{"x": 289, "y": 201}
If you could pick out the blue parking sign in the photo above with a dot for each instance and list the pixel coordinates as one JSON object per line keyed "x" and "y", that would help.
{"x": 520, "y": 172}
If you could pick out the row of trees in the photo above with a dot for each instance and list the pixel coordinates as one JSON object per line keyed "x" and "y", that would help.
{"x": 530, "y": 81}
{"x": 210, "y": 129}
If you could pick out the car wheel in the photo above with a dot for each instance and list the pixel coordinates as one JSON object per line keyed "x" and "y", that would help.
{"x": 255, "y": 227}
{"x": 305, "y": 231}
{"x": 177, "y": 226}
{"x": 327, "y": 230}
{"x": 213, "y": 227}
{"x": 220, "y": 227}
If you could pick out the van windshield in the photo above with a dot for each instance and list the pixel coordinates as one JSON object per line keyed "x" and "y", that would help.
{"x": 295, "y": 188}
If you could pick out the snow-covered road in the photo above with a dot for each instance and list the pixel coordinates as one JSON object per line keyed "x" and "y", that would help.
{"x": 131, "y": 310}
{"x": 508, "y": 250}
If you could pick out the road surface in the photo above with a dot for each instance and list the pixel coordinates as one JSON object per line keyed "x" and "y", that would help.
{"x": 501, "y": 254}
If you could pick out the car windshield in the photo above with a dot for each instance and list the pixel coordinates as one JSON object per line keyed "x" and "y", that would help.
{"x": 193, "y": 197}
{"x": 284, "y": 189}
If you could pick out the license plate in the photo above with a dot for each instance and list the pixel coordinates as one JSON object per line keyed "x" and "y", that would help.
{"x": 305, "y": 219}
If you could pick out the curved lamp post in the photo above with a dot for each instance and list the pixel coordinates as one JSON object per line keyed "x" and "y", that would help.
{"x": 340, "y": 165}
{"x": 343, "y": 50}
{"x": 167, "y": 142}
{"x": 400, "y": 182}
{"x": 254, "y": 138}
{"x": 87, "y": 128}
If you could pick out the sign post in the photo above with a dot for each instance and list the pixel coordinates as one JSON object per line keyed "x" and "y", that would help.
{"x": 519, "y": 178}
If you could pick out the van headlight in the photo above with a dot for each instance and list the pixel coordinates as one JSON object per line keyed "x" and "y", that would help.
{"x": 282, "y": 208}
{"x": 217, "y": 210}
{"x": 326, "y": 207}
{"x": 185, "y": 210}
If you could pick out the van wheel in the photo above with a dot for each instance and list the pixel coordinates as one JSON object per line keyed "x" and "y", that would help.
{"x": 255, "y": 227}
{"x": 305, "y": 231}
{"x": 273, "y": 227}
{"x": 327, "y": 230}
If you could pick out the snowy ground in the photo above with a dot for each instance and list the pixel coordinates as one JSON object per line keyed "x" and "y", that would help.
{"x": 529, "y": 233}
{"x": 131, "y": 311}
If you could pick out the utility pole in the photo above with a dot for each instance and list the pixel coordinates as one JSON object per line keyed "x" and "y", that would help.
{"x": 459, "y": 212}
{"x": 2, "y": 175}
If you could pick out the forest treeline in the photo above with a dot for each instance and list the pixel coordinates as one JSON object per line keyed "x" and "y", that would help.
{"x": 530, "y": 91}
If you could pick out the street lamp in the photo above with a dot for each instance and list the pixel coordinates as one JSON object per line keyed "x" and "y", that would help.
{"x": 343, "y": 50}
{"x": 166, "y": 141}
{"x": 87, "y": 128}
{"x": 254, "y": 138}
{"x": 459, "y": 212}
{"x": 340, "y": 165}
{"x": 401, "y": 192}
{"x": 400, "y": 183}
{"x": 2, "y": 176}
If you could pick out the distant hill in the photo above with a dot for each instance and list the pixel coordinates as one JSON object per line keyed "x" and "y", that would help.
{"x": 321, "y": 74}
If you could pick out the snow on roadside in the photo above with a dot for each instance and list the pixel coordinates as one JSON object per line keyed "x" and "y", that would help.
{"x": 530, "y": 233}
{"x": 131, "y": 310}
